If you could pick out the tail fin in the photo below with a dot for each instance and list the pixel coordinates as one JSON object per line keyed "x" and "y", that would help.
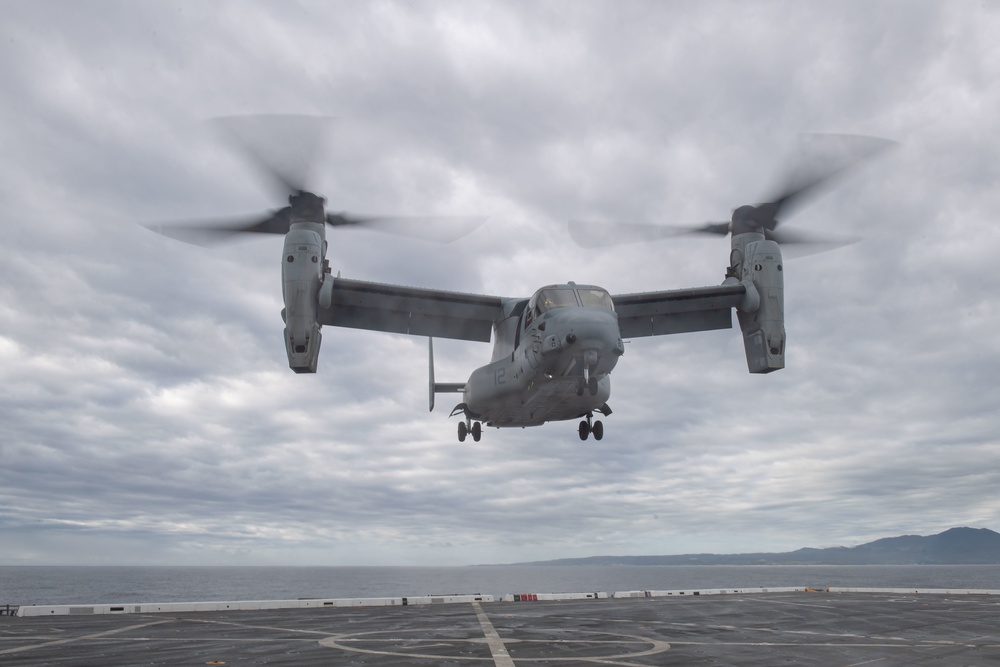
{"x": 444, "y": 387}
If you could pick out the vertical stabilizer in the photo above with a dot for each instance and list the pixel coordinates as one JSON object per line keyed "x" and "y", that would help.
{"x": 434, "y": 387}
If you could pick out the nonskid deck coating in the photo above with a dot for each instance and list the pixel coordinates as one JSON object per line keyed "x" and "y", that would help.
{"x": 801, "y": 628}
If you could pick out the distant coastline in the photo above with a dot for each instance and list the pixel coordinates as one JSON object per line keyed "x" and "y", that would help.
{"x": 956, "y": 546}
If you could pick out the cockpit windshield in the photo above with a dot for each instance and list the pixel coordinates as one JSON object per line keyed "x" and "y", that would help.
{"x": 556, "y": 297}
{"x": 563, "y": 296}
{"x": 595, "y": 297}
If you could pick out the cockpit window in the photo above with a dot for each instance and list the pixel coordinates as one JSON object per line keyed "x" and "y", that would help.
{"x": 595, "y": 298}
{"x": 556, "y": 298}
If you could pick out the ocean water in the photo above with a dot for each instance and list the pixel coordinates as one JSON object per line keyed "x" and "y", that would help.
{"x": 24, "y": 585}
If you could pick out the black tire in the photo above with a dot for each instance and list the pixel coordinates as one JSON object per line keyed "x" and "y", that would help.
{"x": 598, "y": 429}
{"x": 584, "y": 430}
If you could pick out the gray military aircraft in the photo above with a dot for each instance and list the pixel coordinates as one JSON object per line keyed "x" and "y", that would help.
{"x": 553, "y": 352}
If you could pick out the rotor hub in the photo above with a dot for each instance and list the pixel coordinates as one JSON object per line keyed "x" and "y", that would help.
{"x": 746, "y": 220}
{"x": 307, "y": 207}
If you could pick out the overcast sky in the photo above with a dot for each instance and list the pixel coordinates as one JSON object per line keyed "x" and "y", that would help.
{"x": 147, "y": 412}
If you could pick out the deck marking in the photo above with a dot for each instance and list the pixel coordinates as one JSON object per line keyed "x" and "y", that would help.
{"x": 500, "y": 656}
{"x": 249, "y": 626}
{"x": 866, "y": 662}
{"x": 345, "y": 643}
{"x": 70, "y": 640}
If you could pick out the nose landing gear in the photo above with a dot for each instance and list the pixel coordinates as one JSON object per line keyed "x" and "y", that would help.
{"x": 587, "y": 383}
{"x": 589, "y": 426}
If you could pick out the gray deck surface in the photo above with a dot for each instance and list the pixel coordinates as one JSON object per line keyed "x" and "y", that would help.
{"x": 760, "y": 629}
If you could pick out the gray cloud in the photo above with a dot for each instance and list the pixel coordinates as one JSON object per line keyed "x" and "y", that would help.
{"x": 147, "y": 414}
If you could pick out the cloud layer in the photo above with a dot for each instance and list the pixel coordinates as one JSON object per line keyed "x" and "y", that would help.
{"x": 147, "y": 414}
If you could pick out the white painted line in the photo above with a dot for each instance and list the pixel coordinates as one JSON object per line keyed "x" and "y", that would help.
{"x": 500, "y": 656}
{"x": 70, "y": 640}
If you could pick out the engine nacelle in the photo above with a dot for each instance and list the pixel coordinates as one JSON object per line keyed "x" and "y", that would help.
{"x": 760, "y": 266}
{"x": 302, "y": 278}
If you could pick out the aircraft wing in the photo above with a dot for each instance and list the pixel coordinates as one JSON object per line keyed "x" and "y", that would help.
{"x": 677, "y": 311}
{"x": 358, "y": 304}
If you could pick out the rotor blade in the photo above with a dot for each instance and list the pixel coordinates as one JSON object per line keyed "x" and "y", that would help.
{"x": 786, "y": 236}
{"x": 282, "y": 147}
{"x": 822, "y": 157}
{"x": 442, "y": 229}
{"x": 797, "y": 244}
{"x": 797, "y": 250}
{"x": 604, "y": 234}
{"x": 212, "y": 232}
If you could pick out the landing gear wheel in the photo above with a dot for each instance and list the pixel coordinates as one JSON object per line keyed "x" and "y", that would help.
{"x": 584, "y": 430}
{"x": 598, "y": 429}
{"x": 477, "y": 431}
{"x": 463, "y": 431}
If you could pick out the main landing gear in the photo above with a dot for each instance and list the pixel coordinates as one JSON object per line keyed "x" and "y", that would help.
{"x": 464, "y": 429}
{"x": 587, "y": 427}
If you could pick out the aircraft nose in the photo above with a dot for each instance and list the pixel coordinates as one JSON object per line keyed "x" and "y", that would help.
{"x": 592, "y": 330}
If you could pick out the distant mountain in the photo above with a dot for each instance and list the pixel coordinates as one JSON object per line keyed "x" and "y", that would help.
{"x": 956, "y": 546}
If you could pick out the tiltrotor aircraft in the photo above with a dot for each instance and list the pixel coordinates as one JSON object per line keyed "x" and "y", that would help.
{"x": 554, "y": 351}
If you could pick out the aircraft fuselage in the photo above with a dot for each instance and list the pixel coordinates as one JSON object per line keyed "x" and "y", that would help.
{"x": 552, "y": 359}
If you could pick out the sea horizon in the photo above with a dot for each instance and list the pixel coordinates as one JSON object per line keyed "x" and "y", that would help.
{"x": 104, "y": 584}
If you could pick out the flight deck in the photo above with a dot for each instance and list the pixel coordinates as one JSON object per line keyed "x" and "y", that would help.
{"x": 718, "y": 627}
